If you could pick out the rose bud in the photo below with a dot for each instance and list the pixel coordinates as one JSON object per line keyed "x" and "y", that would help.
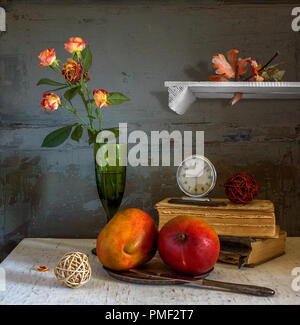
{"x": 50, "y": 101}
{"x": 72, "y": 71}
{"x": 86, "y": 76}
{"x": 75, "y": 44}
{"x": 101, "y": 97}
{"x": 47, "y": 57}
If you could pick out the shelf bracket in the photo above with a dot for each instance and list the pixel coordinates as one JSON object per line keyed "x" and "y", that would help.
{"x": 180, "y": 98}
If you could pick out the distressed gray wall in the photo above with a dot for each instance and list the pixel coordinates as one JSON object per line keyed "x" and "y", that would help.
{"x": 137, "y": 45}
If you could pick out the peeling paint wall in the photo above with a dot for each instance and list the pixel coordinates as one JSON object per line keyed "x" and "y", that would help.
{"x": 137, "y": 45}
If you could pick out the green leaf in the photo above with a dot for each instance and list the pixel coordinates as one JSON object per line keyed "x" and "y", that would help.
{"x": 60, "y": 88}
{"x": 86, "y": 59}
{"x": 278, "y": 75}
{"x": 271, "y": 67}
{"x": 117, "y": 98}
{"x": 92, "y": 137}
{"x": 57, "y": 137}
{"x": 70, "y": 94}
{"x": 77, "y": 133}
{"x": 273, "y": 75}
{"x": 46, "y": 81}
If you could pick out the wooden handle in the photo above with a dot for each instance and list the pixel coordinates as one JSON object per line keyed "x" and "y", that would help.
{"x": 238, "y": 288}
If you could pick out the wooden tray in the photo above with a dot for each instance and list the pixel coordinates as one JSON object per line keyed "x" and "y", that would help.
{"x": 155, "y": 265}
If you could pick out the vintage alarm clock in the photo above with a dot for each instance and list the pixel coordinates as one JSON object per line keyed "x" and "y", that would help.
{"x": 196, "y": 177}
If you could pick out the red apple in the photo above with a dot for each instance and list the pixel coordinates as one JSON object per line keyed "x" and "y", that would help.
{"x": 188, "y": 245}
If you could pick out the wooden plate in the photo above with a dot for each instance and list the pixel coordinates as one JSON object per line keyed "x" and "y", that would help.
{"x": 155, "y": 265}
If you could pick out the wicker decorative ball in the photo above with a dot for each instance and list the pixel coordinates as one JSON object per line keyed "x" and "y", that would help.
{"x": 241, "y": 188}
{"x": 73, "y": 269}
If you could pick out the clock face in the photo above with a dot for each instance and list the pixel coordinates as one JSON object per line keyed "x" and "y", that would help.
{"x": 196, "y": 176}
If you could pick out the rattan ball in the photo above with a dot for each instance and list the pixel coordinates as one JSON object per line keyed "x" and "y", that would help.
{"x": 241, "y": 188}
{"x": 73, "y": 269}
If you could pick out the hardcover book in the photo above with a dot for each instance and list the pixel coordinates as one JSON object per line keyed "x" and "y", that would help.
{"x": 249, "y": 251}
{"x": 256, "y": 219}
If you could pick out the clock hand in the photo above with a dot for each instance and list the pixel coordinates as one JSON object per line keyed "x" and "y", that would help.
{"x": 195, "y": 171}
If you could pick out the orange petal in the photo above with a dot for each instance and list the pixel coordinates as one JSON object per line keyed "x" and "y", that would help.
{"x": 43, "y": 268}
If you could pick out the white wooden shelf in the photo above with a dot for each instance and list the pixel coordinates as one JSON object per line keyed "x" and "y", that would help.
{"x": 183, "y": 93}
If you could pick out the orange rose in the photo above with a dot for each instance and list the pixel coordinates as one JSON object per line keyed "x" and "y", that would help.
{"x": 50, "y": 101}
{"x": 47, "y": 57}
{"x": 75, "y": 44}
{"x": 101, "y": 97}
{"x": 72, "y": 71}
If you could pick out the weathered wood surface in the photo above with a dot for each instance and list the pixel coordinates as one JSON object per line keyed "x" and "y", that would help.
{"x": 136, "y": 47}
{"x": 25, "y": 285}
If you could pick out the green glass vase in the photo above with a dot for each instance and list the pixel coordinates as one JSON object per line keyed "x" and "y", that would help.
{"x": 110, "y": 170}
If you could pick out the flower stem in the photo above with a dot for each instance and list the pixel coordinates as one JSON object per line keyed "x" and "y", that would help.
{"x": 89, "y": 100}
{"x": 100, "y": 117}
{"x": 86, "y": 107}
{"x": 272, "y": 58}
{"x": 78, "y": 116}
{"x": 265, "y": 65}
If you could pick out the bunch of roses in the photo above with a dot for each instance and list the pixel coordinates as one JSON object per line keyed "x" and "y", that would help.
{"x": 76, "y": 77}
{"x": 72, "y": 71}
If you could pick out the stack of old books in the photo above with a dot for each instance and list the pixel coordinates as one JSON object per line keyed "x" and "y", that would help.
{"x": 248, "y": 233}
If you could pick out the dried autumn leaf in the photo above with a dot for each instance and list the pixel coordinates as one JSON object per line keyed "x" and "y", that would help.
{"x": 235, "y": 99}
{"x": 241, "y": 67}
{"x": 234, "y": 68}
{"x": 230, "y": 68}
{"x": 254, "y": 66}
{"x": 217, "y": 78}
{"x": 222, "y": 66}
{"x": 271, "y": 67}
{"x": 231, "y": 57}
{"x": 273, "y": 75}
{"x": 257, "y": 78}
